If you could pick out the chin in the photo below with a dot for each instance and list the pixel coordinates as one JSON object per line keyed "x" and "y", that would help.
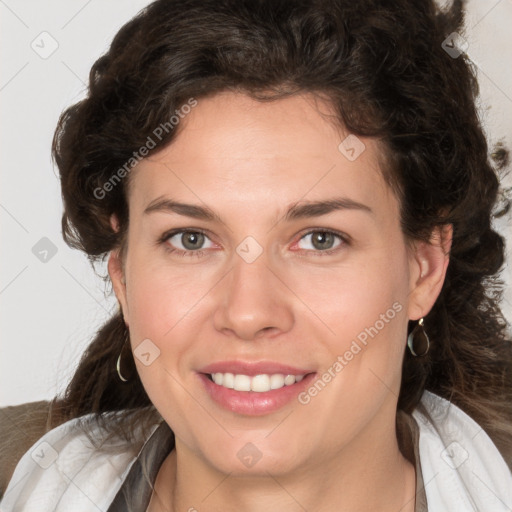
{"x": 243, "y": 459}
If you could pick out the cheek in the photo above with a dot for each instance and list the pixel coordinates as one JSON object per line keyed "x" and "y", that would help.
{"x": 161, "y": 306}
{"x": 366, "y": 312}
{"x": 364, "y": 317}
{"x": 371, "y": 292}
{"x": 166, "y": 306}
{"x": 160, "y": 298}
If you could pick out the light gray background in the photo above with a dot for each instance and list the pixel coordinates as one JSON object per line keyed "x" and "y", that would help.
{"x": 51, "y": 310}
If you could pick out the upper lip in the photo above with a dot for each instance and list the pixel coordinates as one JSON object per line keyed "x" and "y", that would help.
{"x": 253, "y": 368}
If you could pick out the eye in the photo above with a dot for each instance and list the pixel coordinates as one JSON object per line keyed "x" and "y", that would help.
{"x": 182, "y": 242}
{"x": 185, "y": 243}
{"x": 323, "y": 241}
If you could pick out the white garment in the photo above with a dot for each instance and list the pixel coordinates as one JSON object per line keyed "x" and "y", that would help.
{"x": 462, "y": 469}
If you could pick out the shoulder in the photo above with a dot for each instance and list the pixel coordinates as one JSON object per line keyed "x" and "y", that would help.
{"x": 461, "y": 466}
{"x": 66, "y": 470}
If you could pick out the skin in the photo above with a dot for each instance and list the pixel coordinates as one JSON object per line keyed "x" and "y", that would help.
{"x": 248, "y": 161}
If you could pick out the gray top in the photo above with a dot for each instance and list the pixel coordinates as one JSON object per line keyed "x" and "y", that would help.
{"x": 408, "y": 435}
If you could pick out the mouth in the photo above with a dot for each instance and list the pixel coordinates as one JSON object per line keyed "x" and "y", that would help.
{"x": 254, "y": 395}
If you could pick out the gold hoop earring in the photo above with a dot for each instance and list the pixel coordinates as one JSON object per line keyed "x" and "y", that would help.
{"x": 118, "y": 363}
{"x": 418, "y": 334}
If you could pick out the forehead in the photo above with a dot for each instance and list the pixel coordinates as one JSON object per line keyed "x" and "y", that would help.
{"x": 233, "y": 148}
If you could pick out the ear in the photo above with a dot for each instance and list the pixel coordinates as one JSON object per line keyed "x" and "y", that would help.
{"x": 428, "y": 265}
{"x": 116, "y": 273}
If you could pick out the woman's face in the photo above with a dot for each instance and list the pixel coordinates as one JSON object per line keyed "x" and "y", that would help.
{"x": 250, "y": 276}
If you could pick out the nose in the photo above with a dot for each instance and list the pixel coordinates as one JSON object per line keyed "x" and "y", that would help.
{"x": 253, "y": 301}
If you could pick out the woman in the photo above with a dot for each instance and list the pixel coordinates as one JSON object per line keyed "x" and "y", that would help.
{"x": 295, "y": 199}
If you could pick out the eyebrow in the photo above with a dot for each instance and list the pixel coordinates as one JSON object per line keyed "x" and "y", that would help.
{"x": 294, "y": 212}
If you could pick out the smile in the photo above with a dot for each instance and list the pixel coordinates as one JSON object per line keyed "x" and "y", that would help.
{"x": 255, "y": 395}
{"x": 258, "y": 383}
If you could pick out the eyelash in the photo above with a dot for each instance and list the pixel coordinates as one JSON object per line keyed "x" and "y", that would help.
{"x": 169, "y": 234}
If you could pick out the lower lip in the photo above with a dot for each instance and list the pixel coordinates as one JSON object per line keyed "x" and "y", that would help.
{"x": 252, "y": 403}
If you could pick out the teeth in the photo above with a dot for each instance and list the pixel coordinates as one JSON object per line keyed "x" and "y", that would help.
{"x": 259, "y": 383}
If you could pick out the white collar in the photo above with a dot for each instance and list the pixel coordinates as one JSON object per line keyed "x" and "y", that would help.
{"x": 463, "y": 471}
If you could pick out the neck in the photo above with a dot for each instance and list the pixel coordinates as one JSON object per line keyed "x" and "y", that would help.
{"x": 370, "y": 474}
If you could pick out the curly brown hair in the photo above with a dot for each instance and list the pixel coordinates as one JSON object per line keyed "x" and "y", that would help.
{"x": 382, "y": 66}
